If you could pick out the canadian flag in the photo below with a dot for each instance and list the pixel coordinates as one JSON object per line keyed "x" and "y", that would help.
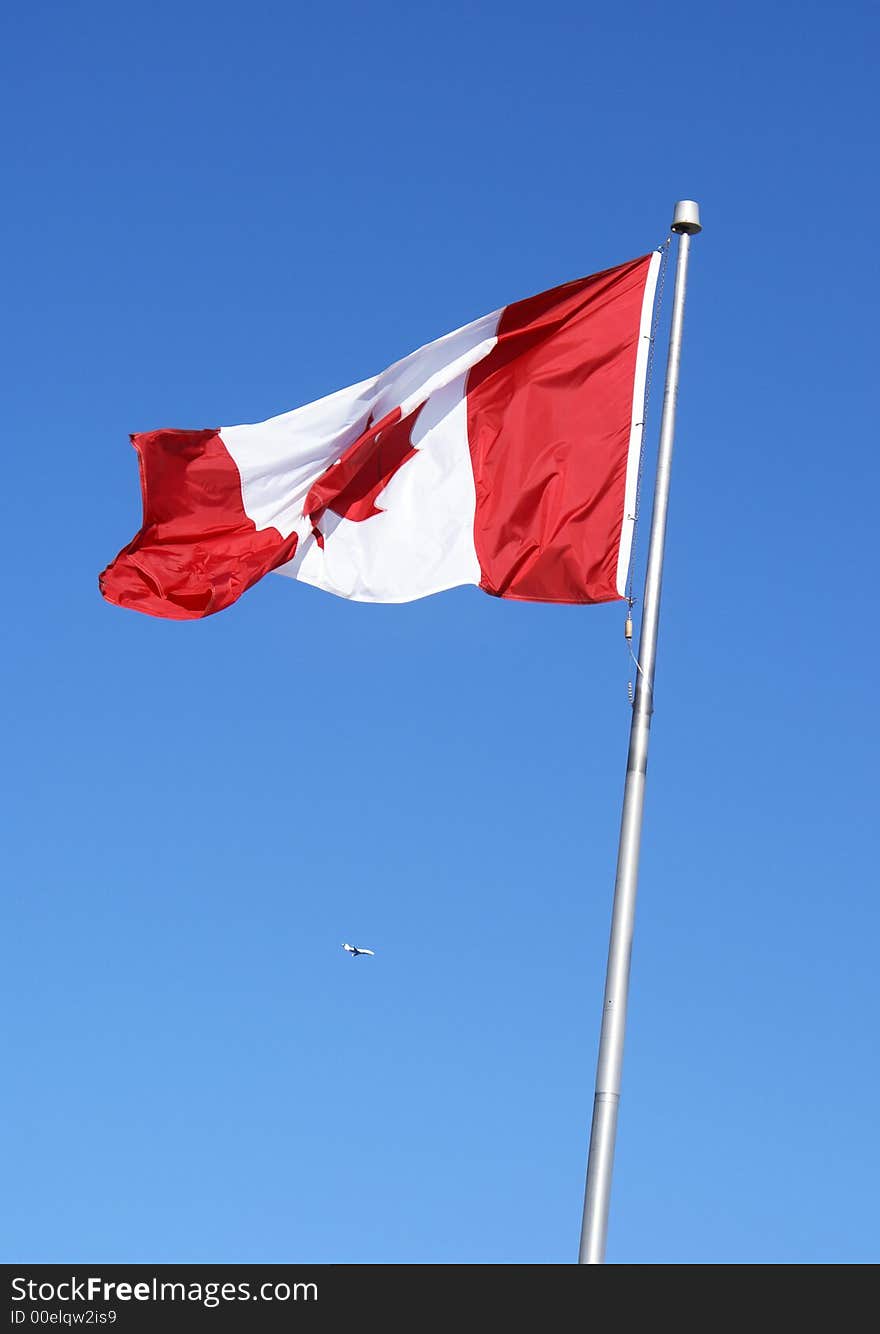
{"x": 505, "y": 454}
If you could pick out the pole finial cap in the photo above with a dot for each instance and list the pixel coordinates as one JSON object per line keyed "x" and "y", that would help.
{"x": 686, "y": 217}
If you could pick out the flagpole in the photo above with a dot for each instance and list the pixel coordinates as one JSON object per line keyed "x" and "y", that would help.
{"x": 686, "y": 222}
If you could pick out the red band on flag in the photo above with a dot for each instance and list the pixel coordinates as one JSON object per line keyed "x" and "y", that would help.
{"x": 549, "y": 417}
{"x": 197, "y": 551}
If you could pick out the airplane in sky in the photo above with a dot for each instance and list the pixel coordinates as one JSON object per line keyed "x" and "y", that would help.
{"x": 355, "y": 950}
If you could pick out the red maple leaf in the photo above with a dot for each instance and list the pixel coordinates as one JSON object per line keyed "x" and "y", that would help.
{"x": 349, "y": 487}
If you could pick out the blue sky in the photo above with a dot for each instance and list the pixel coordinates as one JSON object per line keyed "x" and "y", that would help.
{"x": 216, "y": 212}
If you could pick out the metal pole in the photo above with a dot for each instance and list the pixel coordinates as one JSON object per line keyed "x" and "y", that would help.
{"x": 686, "y": 221}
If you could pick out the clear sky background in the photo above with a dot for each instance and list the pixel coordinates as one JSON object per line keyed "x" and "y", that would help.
{"x": 215, "y": 212}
